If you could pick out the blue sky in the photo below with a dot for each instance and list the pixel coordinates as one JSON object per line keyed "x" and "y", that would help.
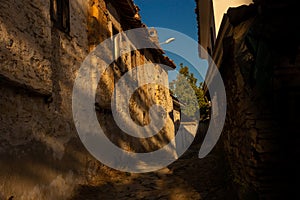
{"x": 177, "y": 15}
{"x": 174, "y": 14}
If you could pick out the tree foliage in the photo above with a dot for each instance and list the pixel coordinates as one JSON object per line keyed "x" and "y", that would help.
{"x": 179, "y": 88}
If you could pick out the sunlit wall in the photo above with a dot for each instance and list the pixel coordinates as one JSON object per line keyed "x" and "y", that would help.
{"x": 221, "y": 6}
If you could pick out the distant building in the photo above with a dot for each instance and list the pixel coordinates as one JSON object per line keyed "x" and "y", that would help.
{"x": 206, "y": 27}
{"x": 221, "y": 7}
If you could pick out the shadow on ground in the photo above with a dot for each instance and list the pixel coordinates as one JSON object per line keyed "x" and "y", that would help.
{"x": 187, "y": 178}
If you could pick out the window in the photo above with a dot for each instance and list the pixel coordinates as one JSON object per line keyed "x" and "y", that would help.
{"x": 133, "y": 59}
{"x": 116, "y": 43}
{"x": 60, "y": 14}
{"x": 142, "y": 57}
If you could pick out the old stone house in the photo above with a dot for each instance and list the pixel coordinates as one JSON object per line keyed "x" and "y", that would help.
{"x": 43, "y": 44}
{"x": 257, "y": 53}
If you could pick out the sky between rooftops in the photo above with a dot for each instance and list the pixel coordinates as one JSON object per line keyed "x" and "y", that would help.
{"x": 180, "y": 15}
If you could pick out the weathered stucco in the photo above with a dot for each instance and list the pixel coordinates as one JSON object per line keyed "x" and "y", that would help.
{"x": 25, "y": 57}
{"x": 41, "y": 156}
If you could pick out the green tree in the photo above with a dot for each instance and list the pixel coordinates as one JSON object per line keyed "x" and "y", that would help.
{"x": 179, "y": 88}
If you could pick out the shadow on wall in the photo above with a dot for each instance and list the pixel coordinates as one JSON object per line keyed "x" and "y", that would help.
{"x": 40, "y": 153}
{"x": 125, "y": 141}
{"x": 39, "y": 146}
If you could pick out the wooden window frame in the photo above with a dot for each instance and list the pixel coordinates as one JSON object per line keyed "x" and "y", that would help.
{"x": 60, "y": 14}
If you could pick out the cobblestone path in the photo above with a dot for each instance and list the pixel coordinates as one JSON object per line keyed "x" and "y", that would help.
{"x": 187, "y": 178}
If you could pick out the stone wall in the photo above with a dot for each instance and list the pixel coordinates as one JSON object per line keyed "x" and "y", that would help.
{"x": 260, "y": 134}
{"x": 25, "y": 57}
{"x": 144, "y": 97}
{"x": 41, "y": 155}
